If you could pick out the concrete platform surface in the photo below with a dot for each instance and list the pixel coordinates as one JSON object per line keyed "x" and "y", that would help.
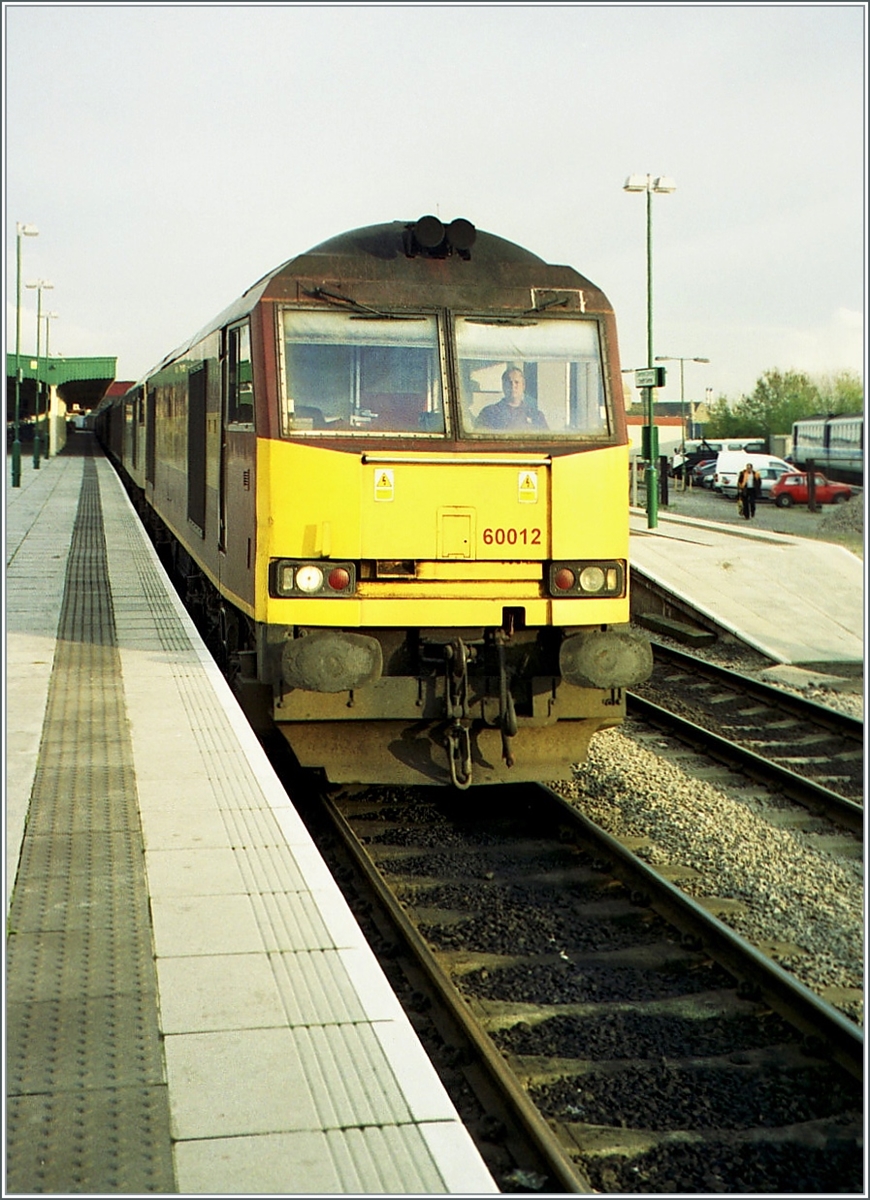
{"x": 797, "y": 600}
{"x": 289, "y": 1063}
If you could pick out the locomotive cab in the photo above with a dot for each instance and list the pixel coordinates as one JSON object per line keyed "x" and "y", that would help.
{"x": 448, "y": 522}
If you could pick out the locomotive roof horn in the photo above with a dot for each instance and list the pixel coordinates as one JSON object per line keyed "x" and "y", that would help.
{"x": 430, "y": 237}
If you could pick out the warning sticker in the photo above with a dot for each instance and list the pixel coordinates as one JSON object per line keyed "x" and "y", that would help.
{"x": 528, "y": 485}
{"x": 384, "y": 485}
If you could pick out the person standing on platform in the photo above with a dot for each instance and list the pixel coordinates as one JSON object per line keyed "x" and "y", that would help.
{"x": 748, "y": 487}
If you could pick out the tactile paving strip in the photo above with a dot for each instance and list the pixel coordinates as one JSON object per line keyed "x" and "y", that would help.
{"x": 87, "y": 1104}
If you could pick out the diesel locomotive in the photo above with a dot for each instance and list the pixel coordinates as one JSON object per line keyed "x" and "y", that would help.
{"x": 393, "y": 478}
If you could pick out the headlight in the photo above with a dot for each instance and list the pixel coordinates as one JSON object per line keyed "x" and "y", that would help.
{"x": 309, "y": 579}
{"x": 323, "y": 580}
{"x": 587, "y": 578}
{"x": 592, "y": 579}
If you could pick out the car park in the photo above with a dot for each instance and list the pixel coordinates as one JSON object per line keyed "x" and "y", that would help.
{"x": 730, "y": 463}
{"x": 793, "y": 488}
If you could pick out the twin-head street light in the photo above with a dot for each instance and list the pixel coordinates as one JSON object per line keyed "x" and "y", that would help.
{"x": 649, "y": 184}
{"x": 41, "y": 285}
{"x": 682, "y": 362}
{"x": 20, "y": 232}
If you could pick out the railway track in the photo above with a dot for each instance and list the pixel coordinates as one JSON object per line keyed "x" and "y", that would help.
{"x": 811, "y": 754}
{"x": 630, "y": 1040}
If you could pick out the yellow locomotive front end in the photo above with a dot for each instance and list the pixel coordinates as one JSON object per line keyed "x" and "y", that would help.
{"x": 442, "y": 530}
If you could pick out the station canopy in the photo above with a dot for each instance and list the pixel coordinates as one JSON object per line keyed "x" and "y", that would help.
{"x": 81, "y": 382}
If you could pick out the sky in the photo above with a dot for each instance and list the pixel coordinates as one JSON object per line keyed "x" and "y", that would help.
{"x": 171, "y": 155}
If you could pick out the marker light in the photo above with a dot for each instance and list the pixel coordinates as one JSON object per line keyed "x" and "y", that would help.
{"x": 592, "y": 579}
{"x": 289, "y": 578}
{"x": 339, "y": 578}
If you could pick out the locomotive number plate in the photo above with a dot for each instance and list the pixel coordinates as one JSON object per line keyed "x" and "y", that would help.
{"x": 512, "y": 537}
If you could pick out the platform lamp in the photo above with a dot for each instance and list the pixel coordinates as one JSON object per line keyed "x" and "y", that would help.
{"x": 650, "y": 184}
{"x": 682, "y": 362}
{"x": 41, "y": 285}
{"x": 48, "y": 318}
{"x": 20, "y": 232}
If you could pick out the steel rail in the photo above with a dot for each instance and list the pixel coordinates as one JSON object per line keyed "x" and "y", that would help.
{"x": 807, "y": 710}
{"x": 535, "y": 1127}
{"x": 787, "y": 995}
{"x": 804, "y": 791}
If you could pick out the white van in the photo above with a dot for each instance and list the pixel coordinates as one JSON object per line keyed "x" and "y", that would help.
{"x": 730, "y": 463}
{"x": 697, "y": 450}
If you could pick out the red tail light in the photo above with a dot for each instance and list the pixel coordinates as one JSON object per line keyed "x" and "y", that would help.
{"x": 339, "y": 578}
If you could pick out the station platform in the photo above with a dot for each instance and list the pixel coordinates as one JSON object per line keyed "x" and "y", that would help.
{"x": 797, "y": 600}
{"x": 190, "y": 1005}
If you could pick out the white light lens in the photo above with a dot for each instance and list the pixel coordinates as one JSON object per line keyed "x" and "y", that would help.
{"x": 592, "y": 579}
{"x": 309, "y": 579}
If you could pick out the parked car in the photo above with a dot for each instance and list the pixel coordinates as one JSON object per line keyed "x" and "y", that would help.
{"x": 792, "y": 489}
{"x": 769, "y": 477}
{"x": 702, "y": 473}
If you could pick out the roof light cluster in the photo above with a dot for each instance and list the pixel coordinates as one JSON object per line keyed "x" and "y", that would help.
{"x": 432, "y": 238}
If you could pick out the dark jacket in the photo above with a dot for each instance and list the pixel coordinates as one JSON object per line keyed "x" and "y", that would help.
{"x": 749, "y": 479}
{"x": 505, "y": 416}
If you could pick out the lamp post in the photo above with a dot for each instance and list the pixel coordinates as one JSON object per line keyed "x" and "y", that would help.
{"x": 48, "y": 318}
{"x": 682, "y": 362}
{"x": 41, "y": 285}
{"x": 650, "y": 184}
{"x": 20, "y": 232}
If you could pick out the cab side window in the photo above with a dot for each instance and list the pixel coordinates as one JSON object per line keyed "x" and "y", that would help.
{"x": 239, "y": 376}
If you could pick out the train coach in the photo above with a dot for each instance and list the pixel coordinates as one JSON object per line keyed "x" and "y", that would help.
{"x": 393, "y": 480}
{"x": 834, "y": 443}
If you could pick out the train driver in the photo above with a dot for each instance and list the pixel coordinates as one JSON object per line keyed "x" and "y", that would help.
{"x": 515, "y": 410}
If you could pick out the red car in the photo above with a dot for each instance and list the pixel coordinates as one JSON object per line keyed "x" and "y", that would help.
{"x": 792, "y": 489}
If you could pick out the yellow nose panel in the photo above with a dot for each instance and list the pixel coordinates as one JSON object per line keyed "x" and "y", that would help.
{"x": 456, "y": 532}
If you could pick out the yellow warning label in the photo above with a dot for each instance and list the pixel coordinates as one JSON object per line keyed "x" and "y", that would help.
{"x": 384, "y": 485}
{"x": 528, "y": 487}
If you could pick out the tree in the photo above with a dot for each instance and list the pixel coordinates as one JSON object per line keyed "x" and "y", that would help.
{"x": 782, "y": 397}
{"x": 842, "y": 393}
{"x": 723, "y": 423}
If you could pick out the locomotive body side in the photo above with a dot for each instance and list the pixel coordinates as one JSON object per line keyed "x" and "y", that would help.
{"x": 426, "y": 582}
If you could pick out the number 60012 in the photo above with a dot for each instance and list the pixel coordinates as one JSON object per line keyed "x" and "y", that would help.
{"x": 512, "y": 537}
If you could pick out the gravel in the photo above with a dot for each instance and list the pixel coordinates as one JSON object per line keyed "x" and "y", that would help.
{"x": 794, "y": 891}
{"x": 702, "y": 1097}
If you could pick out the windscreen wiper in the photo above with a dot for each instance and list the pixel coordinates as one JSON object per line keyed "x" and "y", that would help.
{"x": 556, "y": 302}
{"x": 320, "y": 293}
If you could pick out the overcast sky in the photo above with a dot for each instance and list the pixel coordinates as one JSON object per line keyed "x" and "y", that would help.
{"x": 170, "y": 155}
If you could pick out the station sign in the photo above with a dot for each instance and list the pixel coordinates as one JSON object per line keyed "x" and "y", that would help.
{"x": 650, "y": 377}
